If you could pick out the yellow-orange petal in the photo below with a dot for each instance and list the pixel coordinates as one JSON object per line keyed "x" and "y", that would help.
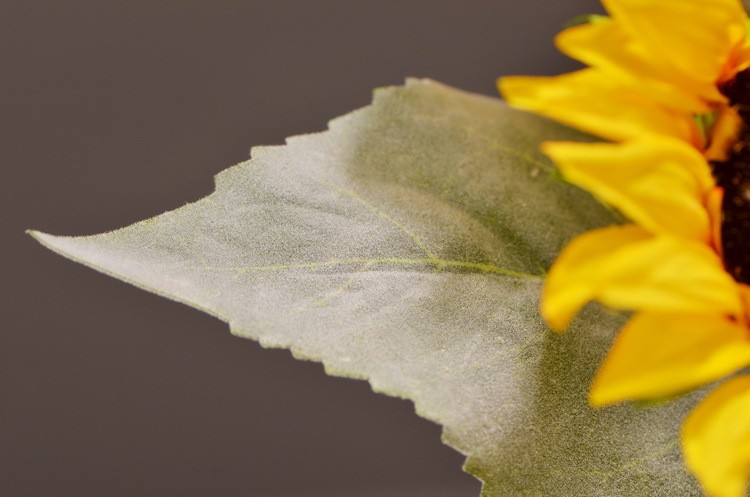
{"x": 659, "y": 183}
{"x": 716, "y": 439}
{"x": 592, "y": 101}
{"x": 605, "y": 45}
{"x": 739, "y": 61}
{"x": 624, "y": 267}
{"x": 724, "y": 134}
{"x": 695, "y": 39}
{"x": 713, "y": 206}
{"x": 658, "y": 355}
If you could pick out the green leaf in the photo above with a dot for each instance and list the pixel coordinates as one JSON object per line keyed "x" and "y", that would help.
{"x": 407, "y": 245}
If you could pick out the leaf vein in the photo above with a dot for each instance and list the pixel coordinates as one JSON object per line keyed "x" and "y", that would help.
{"x": 381, "y": 214}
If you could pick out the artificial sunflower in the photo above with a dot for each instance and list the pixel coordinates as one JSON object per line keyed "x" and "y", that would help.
{"x": 668, "y": 85}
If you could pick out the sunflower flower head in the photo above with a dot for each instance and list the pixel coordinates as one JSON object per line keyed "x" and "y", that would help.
{"x": 667, "y": 89}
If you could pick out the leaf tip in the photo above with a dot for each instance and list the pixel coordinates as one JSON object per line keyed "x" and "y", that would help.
{"x": 54, "y": 243}
{"x": 43, "y": 238}
{"x": 37, "y": 235}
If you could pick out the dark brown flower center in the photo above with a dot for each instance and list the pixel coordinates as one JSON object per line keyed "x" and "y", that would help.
{"x": 733, "y": 176}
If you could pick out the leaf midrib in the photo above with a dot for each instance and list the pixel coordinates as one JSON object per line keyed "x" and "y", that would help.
{"x": 435, "y": 262}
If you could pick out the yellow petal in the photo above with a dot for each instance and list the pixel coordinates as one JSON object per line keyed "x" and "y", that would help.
{"x": 605, "y": 45}
{"x": 716, "y": 439}
{"x": 624, "y": 267}
{"x": 695, "y": 39}
{"x": 658, "y": 183}
{"x": 592, "y": 101}
{"x": 657, "y": 355}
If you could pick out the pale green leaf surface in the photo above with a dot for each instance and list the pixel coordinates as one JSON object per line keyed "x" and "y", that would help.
{"x": 406, "y": 245}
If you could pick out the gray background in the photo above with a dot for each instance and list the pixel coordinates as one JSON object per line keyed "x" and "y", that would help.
{"x": 113, "y": 112}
